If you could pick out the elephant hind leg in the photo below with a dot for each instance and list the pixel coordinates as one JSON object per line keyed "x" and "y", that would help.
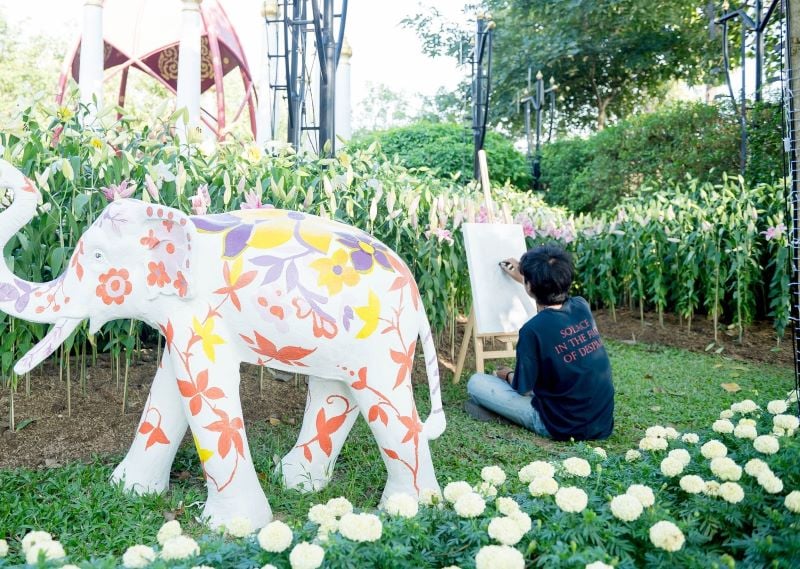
{"x": 330, "y": 413}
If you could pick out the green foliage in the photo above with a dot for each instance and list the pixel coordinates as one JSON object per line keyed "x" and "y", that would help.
{"x": 446, "y": 149}
{"x": 683, "y": 140}
{"x": 96, "y": 522}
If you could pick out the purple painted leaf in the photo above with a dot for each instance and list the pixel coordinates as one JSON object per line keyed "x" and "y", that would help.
{"x": 22, "y": 302}
{"x": 291, "y": 277}
{"x": 347, "y": 317}
{"x": 236, "y": 240}
{"x": 8, "y": 292}
{"x": 311, "y": 295}
{"x": 25, "y": 287}
{"x": 361, "y": 261}
{"x": 273, "y": 274}
{"x": 382, "y": 260}
{"x": 215, "y": 222}
{"x": 266, "y": 260}
{"x": 318, "y": 309}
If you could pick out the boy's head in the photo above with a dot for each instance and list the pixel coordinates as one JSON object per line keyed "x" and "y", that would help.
{"x": 548, "y": 273}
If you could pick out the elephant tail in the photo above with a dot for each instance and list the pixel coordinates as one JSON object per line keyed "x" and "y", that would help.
{"x": 436, "y": 422}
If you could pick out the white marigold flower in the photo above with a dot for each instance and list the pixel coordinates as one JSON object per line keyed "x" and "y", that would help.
{"x": 755, "y": 466}
{"x": 430, "y": 497}
{"x": 493, "y": 475}
{"x": 339, "y": 506}
{"x": 667, "y": 536}
{"x": 777, "y": 407}
{"x": 48, "y": 550}
{"x": 692, "y": 484}
{"x": 168, "y": 531}
{"x": 779, "y": 431}
{"x": 71, "y": 566}
{"x": 745, "y": 432}
{"x": 711, "y": 488}
{"x": 470, "y": 505}
{"x": 402, "y": 505}
{"x": 543, "y": 486}
{"x": 792, "y": 501}
{"x": 577, "y": 466}
{"x": 601, "y": 452}
{"x": 671, "y": 467}
{"x": 269, "y": 566}
{"x": 536, "y": 469}
{"x": 239, "y": 527}
{"x": 307, "y": 555}
{"x": 505, "y": 530}
{"x": 455, "y": 490}
{"x": 671, "y": 433}
{"x": 3, "y": 548}
{"x": 34, "y": 537}
{"x": 571, "y": 499}
{"x": 770, "y": 483}
{"x": 195, "y": 567}
{"x": 690, "y": 438}
{"x": 744, "y": 407}
{"x": 598, "y": 565}
{"x": 179, "y": 547}
{"x": 731, "y": 492}
{"x": 452, "y": 567}
{"x": 791, "y": 396}
{"x": 506, "y": 505}
{"x": 138, "y": 556}
{"x": 747, "y": 421}
{"x": 499, "y": 557}
{"x": 486, "y": 490}
{"x": 725, "y": 469}
{"x": 656, "y": 431}
{"x": 275, "y": 537}
{"x": 723, "y": 426}
{"x": 681, "y": 455}
{"x": 787, "y": 422}
{"x": 361, "y": 527}
{"x": 632, "y": 455}
{"x": 766, "y": 444}
{"x": 653, "y": 443}
{"x": 642, "y": 493}
{"x": 626, "y": 507}
{"x": 726, "y": 414}
{"x": 713, "y": 449}
{"x": 321, "y": 514}
{"x": 522, "y": 520}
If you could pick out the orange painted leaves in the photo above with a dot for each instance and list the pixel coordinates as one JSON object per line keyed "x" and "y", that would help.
{"x": 156, "y": 434}
{"x": 406, "y": 361}
{"x": 290, "y": 355}
{"x": 195, "y": 391}
{"x": 361, "y": 382}
{"x": 326, "y": 427}
{"x": 229, "y": 434}
{"x": 235, "y": 280}
{"x": 377, "y": 413}
{"x": 413, "y": 425}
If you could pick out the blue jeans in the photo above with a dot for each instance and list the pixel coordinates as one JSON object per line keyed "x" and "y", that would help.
{"x": 497, "y": 395}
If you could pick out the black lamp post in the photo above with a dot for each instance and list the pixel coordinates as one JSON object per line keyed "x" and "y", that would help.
{"x": 535, "y": 99}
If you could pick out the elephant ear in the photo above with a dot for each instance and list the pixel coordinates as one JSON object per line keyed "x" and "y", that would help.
{"x": 168, "y": 236}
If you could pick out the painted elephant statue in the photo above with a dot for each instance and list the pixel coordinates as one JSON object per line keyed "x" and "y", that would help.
{"x": 276, "y": 288}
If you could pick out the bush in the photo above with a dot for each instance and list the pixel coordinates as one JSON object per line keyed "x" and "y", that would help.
{"x": 446, "y": 149}
{"x": 684, "y": 140}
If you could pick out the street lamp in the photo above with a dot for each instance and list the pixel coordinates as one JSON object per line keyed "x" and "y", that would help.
{"x": 535, "y": 99}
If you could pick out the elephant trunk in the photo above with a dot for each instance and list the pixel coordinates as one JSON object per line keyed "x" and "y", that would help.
{"x": 16, "y": 295}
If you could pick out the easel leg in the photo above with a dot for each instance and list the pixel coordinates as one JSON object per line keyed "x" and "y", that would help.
{"x": 462, "y": 352}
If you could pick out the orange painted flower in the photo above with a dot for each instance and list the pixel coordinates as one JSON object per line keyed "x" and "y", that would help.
{"x": 180, "y": 284}
{"x": 158, "y": 274}
{"x": 114, "y": 286}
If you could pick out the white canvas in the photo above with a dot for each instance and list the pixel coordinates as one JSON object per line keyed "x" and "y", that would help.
{"x": 500, "y": 303}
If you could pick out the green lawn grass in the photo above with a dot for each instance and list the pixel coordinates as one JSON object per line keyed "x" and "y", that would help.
{"x": 654, "y": 386}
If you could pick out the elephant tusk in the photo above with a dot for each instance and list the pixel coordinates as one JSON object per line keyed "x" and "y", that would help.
{"x": 49, "y": 344}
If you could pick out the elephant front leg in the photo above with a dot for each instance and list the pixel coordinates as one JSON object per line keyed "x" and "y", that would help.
{"x": 147, "y": 465}
{"x": 212, "y": 405}
{"x": 329, "y": 416}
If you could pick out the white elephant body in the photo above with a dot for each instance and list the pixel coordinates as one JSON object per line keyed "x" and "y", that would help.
{"x": 271, "y": 287}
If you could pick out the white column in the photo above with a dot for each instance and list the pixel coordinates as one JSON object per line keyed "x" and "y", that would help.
{"x": 343, "y": 104}
{"x": 189, "y": 66}
{"x": 269, "y": 47}
{"x": 90, "y": 78}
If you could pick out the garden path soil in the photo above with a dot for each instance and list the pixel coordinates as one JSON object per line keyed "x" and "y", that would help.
{"x": 50, "y": 437}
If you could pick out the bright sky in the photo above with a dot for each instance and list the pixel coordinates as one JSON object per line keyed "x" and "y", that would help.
{"x": 383, "y": 51}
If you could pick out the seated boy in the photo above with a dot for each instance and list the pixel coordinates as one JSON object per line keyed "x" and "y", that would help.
{"x": 561, "y": 386}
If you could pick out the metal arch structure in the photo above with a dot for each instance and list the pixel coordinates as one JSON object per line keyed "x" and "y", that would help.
{"x": 481, "y": 59}
{"x": 326, "y": 23}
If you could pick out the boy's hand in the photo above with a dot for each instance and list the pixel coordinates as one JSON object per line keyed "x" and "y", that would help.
{"x": 511, "y": 267}
{"x": 505, "y": 373}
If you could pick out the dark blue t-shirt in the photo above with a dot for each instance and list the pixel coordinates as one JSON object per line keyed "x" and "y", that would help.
{"x": 561, "y": 358}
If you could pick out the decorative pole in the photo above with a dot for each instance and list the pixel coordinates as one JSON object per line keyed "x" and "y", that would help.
{"x": 343, "y": 108}
{"x": 269, "y": 49}
{"x": 534, "y": 98}
{"x": 189, "y": 55}
{"x": 791, "y": 94}
{"x": 91, "y": 60}
{"x": 481, "y": 77}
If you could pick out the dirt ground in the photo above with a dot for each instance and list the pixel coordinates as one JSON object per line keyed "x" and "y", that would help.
{"x": 47, "y": 436}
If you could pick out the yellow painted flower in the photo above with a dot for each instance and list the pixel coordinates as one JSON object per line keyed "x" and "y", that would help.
{"x": 203, "y": 453}
{"x": 334, "y": 272}
{"x": 369, "y": 314}
{"x": 207, "y": 336}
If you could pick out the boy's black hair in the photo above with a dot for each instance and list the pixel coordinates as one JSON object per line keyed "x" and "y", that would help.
{"x": 548, "y": 270}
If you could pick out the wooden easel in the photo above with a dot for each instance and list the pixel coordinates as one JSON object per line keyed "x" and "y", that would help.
{"x": 471, "y": 333}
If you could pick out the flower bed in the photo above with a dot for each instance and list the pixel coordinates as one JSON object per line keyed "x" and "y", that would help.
{"x": 719, "y": 497}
